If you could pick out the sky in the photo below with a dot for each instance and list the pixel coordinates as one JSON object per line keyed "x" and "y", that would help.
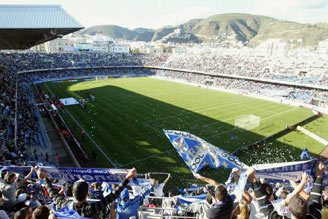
{"x": 158, "y": 13}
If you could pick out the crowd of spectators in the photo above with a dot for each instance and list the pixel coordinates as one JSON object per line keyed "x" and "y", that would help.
{"x": 82, "y": 73}
{"x": 226, "y": 63}
{"x": 244, "y": 86}
{"x": 248, "y": 87}
{"x": 16, "y": 119}
{"x": 285, "y": 69}
{"x": 35, "y": 195}
{"x": 31, "y": 61}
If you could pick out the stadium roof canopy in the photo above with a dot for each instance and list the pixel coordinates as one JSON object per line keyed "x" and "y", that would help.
{"x": 24, "y": 26}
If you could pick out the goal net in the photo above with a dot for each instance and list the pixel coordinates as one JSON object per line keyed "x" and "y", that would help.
{"x": 247, "y": 122}
{"x": 101, "y": 77}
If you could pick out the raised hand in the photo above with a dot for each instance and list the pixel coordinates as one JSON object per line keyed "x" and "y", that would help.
{"x": 131, "y": 174}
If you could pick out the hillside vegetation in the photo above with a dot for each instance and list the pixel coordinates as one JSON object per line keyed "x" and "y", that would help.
{"x": 246, "y": 28}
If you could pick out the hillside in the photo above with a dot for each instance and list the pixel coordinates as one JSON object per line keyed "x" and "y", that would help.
{"x": 246, "y": 28}
{"x": 114, "y": 31}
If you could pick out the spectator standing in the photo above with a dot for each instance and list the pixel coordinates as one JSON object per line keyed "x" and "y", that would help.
{"x": 80, "y": 193}
{"x": 8, "y": 187}
{"x": 3, "y": 214}
{"x": 305, "y": 154}
{"x": 127, "y": 207}
{"x": 158, "y": 190}
{"x": 298, "y": 206}
{"x": 82, "y": 134}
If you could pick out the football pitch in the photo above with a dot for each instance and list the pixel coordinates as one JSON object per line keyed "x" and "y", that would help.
{"x": 124, "y": 124}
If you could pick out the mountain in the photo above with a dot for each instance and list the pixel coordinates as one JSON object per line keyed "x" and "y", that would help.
{"x": 113, "y": 31}
{"x": 242, "y": 27}
{"x": 142, "y": 30}
{"x": 246, "y": 29}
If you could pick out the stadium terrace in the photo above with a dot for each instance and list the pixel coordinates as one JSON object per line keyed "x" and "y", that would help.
{"x": 77, "y": 159}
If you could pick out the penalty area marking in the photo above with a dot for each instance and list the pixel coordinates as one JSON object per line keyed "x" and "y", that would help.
{"x": 265, "y": 118}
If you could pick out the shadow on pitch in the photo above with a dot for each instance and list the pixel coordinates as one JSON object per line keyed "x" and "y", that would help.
{"x": 128, "y": 126}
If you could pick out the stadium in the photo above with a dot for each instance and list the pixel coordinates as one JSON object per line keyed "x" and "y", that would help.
{"x": 94, "y": 116}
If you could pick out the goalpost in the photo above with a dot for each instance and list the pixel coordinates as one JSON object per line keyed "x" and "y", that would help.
{"x": 247, "y": 122}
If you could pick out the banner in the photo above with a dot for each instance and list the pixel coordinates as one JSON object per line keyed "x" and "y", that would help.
{"x": 239, "y": 189}
{"x": 285, "y": 171}
{"x": 197, "y": 153}
{"x": 69, "y": 101}
{"x": 183, "y": 199}
{"x": 112, "y": 176}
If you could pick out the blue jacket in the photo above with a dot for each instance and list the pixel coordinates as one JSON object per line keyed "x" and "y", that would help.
{"x": 129, "y": 208}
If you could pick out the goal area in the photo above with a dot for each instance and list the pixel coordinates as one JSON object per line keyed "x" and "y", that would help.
{"x": 247, "y": 122}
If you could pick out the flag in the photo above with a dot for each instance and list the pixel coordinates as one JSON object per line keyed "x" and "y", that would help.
{"x": 197, "y": 153}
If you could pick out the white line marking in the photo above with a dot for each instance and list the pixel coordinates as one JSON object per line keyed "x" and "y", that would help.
{"x": 85, "y": 132}
{"x": 185, "y": 111}
{"x": 261, "y": 121}
{"x": 99, "y": 148}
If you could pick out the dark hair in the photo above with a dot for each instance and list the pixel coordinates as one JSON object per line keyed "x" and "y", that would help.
{"x": 267, "y": 190}
{"x": 8, "y": 176}
{"x": 80, "y": 190}
{"x": 3, "y": 174}
{"x": 298, "y": 207}
{"x": 69, "y": 190}
{"x": 283, "y": 195}
{"x": 221, "y": 193}
{"x": 209, "y": 198}
{"x": 41, "y": 212}
{"x": 21, "y": 214}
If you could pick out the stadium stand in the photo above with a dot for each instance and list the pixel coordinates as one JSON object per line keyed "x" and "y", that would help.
{"x": 29, "y": 131}
{"x": 33, "y": 194}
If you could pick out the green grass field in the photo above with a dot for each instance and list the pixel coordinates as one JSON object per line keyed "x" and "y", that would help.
{"x": 127, "y": 118}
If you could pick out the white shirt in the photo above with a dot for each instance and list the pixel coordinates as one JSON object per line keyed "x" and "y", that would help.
{"x": 158, "y": 190}
{"x": 255, "y": 210}
{"x": 137, "y": 190}
{"x": 279, "y": 206}
{"x": 9, "y": 193}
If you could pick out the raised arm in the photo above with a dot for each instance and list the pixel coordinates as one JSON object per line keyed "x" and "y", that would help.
{"x": 60, "y": 201}
{"x": 265, "y": 205}
{"x": 100, "y": 205}
{"x": 315, "y": 205}
{"x": 235, "y": 173}
{"x": 26, "y": 177}
{"x": 247, "y": 197}
{"x": 207, "y": 180}
{"x": 299, "y": 188}
{"x": 167, "y": 178}
{"x": 305, "y": 195}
